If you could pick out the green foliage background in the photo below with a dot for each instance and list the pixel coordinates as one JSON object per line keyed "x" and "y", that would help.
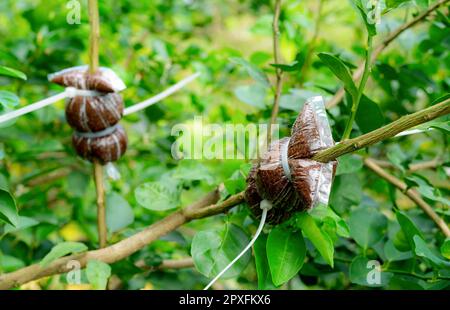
{"x": 152, "y": 45}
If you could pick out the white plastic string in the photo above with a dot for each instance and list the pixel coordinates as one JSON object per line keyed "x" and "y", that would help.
{"x": 412, "y": 132}
{"x": 151, "y": 101}
{"x": 285, "y": 161}
{"x": 71, "y": 92}
{"x": 265, "y": 206}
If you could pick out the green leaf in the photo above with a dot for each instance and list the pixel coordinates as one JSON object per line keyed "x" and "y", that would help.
{"x": 346, "y": 192}
{"x": 322, "y": 213}
{"x": 368, "y": 15}
{"x": 428, "y": 191}
{"x": 8, "y": 208}
{"x": 63, "y": 249}
{"x": 286, "y": 253}
{"x": 189, "y": 170}
{"x": 10, "y": 263}
{"x": 368, "y": 273}
{"x": 340, "y": 71}
{"x": 98, "y": 273}
{"x": 213, "y": 250}
{"x": 408, "y": 227}
{"x": 392, "y": 254}
{"x": 445, "y": 249}
{"x": 254, "y": 95}
{"x": 421, "y": 249}
{"x": 320, "y": 239}
{"x": 158, "y": 196}
{"x": 295, "y": 99}
{"x": 23, "y": 222}
{"x": 257, "y": 74}
{"x": 349, "y": 164}
{"x": 119, "y": 214}
{"x": 392, "y": 4}
{"x": 369, "y": 116}
{"x": 6, "y": 71}
{"x": 8, "y": 100}
{"x": 262, "y": 264}
{"x": 367, "y": 226}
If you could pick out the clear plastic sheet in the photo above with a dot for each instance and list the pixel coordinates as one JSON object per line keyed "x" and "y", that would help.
{"x": 104, "y": 80}
{"x": 286, "y": 175}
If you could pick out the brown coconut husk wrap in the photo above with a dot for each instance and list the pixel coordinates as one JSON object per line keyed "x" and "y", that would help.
{"x": 295, "y": 183}
{"x": 95, "y": 118}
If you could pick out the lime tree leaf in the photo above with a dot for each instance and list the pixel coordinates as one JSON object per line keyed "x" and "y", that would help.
{"x": 158, "y": 196}
{"x": 254, "y": 95}
{"x": 262, "y": 264}
{"x": 320, "y": 239}
{"x": 408, "y": 227}
{"x": 322, "y": 213}
{"x": 346, "y": 192}
{"x": 213, "y": 250}
{"x": 8, "y": 208}
{"x": 421, "y": 249}
{"x": 252, "y": 70}
{"x": 367, "y": 14}
{"x": 392, "y": 4}
{"x": 339, "y": 69}
{"x": 368, "y": 273}
{"x": 190, "y": 170}
{"x": 427, "y": 190}
{"x": 445, "y": 249}
{"x": 369, "y": 116}
{"x": 98, "y": 273}
{"x": 23, "y": 222}
{"x": 392, "y": 254}
{"x": 295, "y": 99}
{"x": 349, "y": 164}
{"x": 6, "y": 71}
{"x": 63, "y": 249}
{"x": 367, "y": 226}
{"x": 286, "y": 253}
{"x": 8, "y": 100}
{"x": 119, "y": 214}
{"x": 10, "y": 263}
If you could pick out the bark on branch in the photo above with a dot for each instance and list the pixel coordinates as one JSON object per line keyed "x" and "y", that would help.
{"x": 410, "y": 193}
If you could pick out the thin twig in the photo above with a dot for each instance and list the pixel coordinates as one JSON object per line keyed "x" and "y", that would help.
{"x": 94, "y": 21}
{"x": 410, "y": 193}
{"x": 312, "y": 44}
{"x": 101, "y": 207}
{"x": 383, "y": 45}
{"x": 278, "y": 71}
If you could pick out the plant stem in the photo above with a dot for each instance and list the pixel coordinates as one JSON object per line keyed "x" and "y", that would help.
{"x": 101, "y": 208}
{"x": 94, "y": 21}
{"x": 362, "y": 85}
{"x": 279, "y": 72}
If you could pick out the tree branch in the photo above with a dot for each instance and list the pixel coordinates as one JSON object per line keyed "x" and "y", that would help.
{"x": 207, "y": 206}
{"x": 279, "y": 72}
{"x": 383, "y": 45}
{"x": 94, "y": 21}
{"x": 385, "y": 132}
{"x": 183, "y": 263}
{"x": 410, "y": 193}
{"x": 126, "y": 247}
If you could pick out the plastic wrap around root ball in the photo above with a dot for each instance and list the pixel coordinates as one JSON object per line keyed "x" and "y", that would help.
{"x": 104, "y": 80}
{"x": 106, "y": 149}
{"x": 286, "y": 175}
